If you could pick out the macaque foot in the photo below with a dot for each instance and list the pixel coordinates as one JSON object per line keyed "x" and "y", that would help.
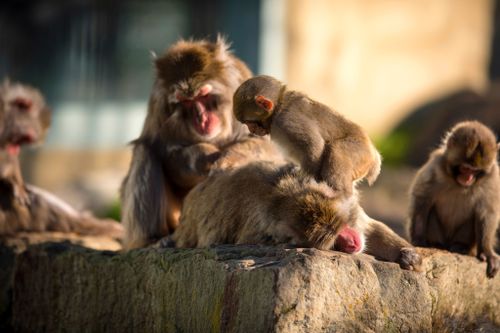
{"x": 409, "y": 259}
{"x": 492, "y": 264}
{"x": 165, "y": 242}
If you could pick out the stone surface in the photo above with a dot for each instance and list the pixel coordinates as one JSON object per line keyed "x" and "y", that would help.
{"x": 63, "y": 287}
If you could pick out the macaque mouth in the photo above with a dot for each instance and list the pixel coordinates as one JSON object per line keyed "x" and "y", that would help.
{"x": 201, "y": 110}
{"x": 348, "y": 241}
{"x": 13, "y": 149}
{"x": 257, "y": 128}
{"x": 23, "y": 138}
{"x": 466, "y": 175}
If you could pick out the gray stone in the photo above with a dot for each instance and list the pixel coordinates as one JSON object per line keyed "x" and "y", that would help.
{"x": 63, "y": 287}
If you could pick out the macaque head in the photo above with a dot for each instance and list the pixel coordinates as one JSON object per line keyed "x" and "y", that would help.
{"x": 255, "y": 101}
{"x": 24, "y": 116}
{"x": 470, "y": 152}
{"x": 196, "y": 81}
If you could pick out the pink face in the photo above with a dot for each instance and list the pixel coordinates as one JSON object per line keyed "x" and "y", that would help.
{"x": 349, "y": 241}
{"x": 202, "y": 110}
{"x": 256, "y": 128}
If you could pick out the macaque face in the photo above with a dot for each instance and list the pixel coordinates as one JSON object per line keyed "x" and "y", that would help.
{"x": 200, "y": 109}
{"x": 470, "y": 155}
{"x": 349, "y": 240}
{"x": 25, "y": 117}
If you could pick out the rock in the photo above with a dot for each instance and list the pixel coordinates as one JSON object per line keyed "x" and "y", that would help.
{"x": 11, "y": 247}
{"x": 63, "y": 287}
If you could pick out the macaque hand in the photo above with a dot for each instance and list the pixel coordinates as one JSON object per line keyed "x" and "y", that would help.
{"x": 409, "y": 259}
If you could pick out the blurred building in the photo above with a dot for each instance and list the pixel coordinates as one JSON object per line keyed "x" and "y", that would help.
{"x": 372, "y": 60}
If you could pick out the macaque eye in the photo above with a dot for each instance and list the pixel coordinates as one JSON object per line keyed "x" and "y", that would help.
{"x": 22, "y": 104}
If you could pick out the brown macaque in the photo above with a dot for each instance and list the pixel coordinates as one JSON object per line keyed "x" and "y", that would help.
{"x": 189, "y": 128}
{"x": 455, "y": 196}
{"x": 24, "y": 116}
{"x": 43, "y": 211}
{"x": 24, "y": 119}
{"x": 324, "y": 143}
{"x": 270, "y": 203}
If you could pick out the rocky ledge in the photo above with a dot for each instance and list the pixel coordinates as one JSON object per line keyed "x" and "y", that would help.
{"x": 58, "y": 287}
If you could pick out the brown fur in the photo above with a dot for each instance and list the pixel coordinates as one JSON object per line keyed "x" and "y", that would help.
{"x": 171, "y": 155}
{"x": 42, "y": 211}
{"x": 324, "y": 143}
{"x": 24, "y": 115}
{"x": 270, "y": 203}
{"x": 447, "y": 214}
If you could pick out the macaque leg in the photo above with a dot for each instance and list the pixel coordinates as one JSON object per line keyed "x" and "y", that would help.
{"x": 486, "y": 239}
{"x": 434, "y": 234}
{"x": 385, "y": 244}
{"x": 336, "y": 170}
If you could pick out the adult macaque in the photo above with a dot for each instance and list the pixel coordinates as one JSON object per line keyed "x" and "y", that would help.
{"x": 24, "y": 119}
{"x": 42, "y": 211}
{"x": 270, "y": 203}
{"x": 189, "y": 128}
{"x": 324, "y": 143}
{"x": 455, "y": 196}
{"x": 24, "y": 116}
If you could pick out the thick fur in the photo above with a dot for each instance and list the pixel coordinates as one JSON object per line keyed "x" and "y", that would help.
{"x": 42, "y": 211}
{"x": 323, "y": 142}
{"x": 24, "y": 115}
{"x": 448, "y": 215}
{"x": 171, "y": 156}
{"x": 270, "y": 203}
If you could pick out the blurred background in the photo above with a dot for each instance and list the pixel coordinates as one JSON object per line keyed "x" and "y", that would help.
{"x": 404, "y": 70}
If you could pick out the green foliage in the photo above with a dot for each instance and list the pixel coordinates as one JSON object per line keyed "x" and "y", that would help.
{"x": 113, "y": 211}
{"x": 394, "y": 147}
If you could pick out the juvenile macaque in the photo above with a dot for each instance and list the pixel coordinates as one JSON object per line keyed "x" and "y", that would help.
{"x": 324, "y": 143}
{"x": 189, "y": 128}
{"x": 456, "y": 195}
{"x": 270, "y": 203}
{"x": 42, "y": 211}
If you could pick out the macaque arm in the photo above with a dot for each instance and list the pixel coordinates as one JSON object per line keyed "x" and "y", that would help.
{"x": 145, "y": 206}
{"x": 187, "y": 166}
{"x": 486, "y": 224}
{"x": 420, "y": 209}
{"x": 300, "y": 138}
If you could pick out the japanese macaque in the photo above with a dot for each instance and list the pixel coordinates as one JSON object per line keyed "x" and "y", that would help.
{"x": 189, "y": 131}
{"x": 324, "y": 143}
{"x": 455, "y": 196}
{"x": 42, "y": 211}
{"x": 24, "y": 119}
{"x": 24, "y": 116}
{"x": 270, "y": 203}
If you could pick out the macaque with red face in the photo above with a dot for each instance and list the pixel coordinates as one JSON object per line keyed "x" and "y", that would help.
{"x": 24, "y": 119}
{"x": 189, "y": 131}
{"x": 271, "y": 203}
{"x": 455, "y": 196}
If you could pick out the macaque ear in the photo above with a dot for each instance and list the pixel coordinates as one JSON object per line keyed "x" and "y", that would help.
{"x": 498, "y": 145}
{"x": 264, "y": 103}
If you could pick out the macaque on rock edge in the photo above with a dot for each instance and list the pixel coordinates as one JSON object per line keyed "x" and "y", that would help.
{"x": 455, "y": 196}
{"x": 189, "y": 131}
{"x": 324, "y": 143}
{"x": 270, "y": 203}
{"x": 24, "y": 119}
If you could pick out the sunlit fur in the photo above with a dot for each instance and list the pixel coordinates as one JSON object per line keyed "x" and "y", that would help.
{"x": 452, "y": 213}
